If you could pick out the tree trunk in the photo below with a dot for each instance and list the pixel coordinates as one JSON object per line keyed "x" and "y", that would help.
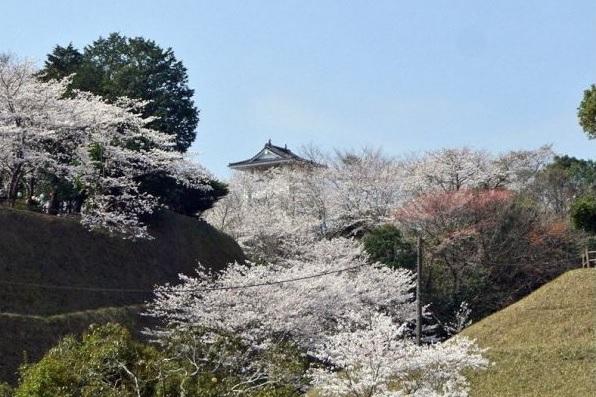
{"x": 30, "y": 191}
{"x": 14, "y": 186}
{"x": 53, "y": 203}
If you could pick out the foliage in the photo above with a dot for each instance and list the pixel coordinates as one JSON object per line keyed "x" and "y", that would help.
{"x": 387, "y": 244}
{"x": 101, "y": 150}
{"x": 485, "y": 247}
{"x": 561, "y": 182}
{"x": 224, "y": 366}
{"x": 455, "y": 169}
{"x": 586, "y": 112}
{"x": 583, "y": 213}
{"x": 489, "y": 242}
{"x": 542, "y": 345}
{"x": 182, "y": 199}
{"x": 62, "y": 62}
{"x": 272, "y": 212}
{"x": 5, "y": 390}
{"x": 107, "y": 361}
{"x": 118, "y": 66}
{"x": 302, "y": 311}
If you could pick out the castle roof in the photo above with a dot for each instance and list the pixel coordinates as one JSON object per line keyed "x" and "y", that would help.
{"x": 270, "y": 155}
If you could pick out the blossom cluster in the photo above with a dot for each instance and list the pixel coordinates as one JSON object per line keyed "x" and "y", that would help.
{"x": 101, "y": 149}
{"x": 348, "y": 315}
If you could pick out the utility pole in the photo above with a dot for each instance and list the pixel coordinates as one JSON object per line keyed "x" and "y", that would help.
{"x": 418, "y": 289}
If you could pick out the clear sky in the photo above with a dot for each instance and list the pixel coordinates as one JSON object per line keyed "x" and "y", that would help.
{"x": 406, "y": 76}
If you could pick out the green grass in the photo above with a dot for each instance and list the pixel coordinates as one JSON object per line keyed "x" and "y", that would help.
{"x": 543, "y": 345}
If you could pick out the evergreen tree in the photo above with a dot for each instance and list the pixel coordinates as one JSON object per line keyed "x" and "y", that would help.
{"x": 63, "y": 61}
{"x": 587, "y": 112}
{"x": 137, "y": 68}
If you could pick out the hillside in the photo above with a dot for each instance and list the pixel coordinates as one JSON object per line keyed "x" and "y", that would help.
{"x": 43, "y": 249}
{"x": 58, "y": 252}
{"x": 543, "y": 345}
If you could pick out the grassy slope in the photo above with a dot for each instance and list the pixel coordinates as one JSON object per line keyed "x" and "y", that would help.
{"x": 37, "y": 248}
{"x": 543, "y": 345}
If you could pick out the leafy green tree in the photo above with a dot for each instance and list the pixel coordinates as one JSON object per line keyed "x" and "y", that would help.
{"x": 138, "y": 68}
{"x": 62, "y": 62}
{"x": 583, "y": 213}
{"x": 386, "y": 244}
{"x": 581, "y": 172}
{"x": 562, "y": 181}
{"x": 587, "y": 112}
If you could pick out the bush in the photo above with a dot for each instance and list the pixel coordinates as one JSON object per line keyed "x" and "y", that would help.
{"x": 386, "y": 244}
{"x": 583, "y": 213}
{"x": 108, "y": 362}
{"x": 182, "y": 199}
{"x": 5, "y": 390}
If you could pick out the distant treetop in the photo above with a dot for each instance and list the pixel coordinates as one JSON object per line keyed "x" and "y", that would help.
{"x": 137, "y": 68}
{"x": 587, "y": 112}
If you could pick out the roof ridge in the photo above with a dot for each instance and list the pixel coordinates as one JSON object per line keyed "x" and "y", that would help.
{"x": 285, "y": 154}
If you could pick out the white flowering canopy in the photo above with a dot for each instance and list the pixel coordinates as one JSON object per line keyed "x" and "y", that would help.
{"x": 329, "y": 301}
{"x": 333, "y": 281}
{"x": 103, "y": 149}
{"x": 274, "y": 211}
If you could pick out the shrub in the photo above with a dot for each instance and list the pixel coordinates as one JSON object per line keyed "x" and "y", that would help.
{"x": 5, "y": 390}
{"x": 108, "y": 362}
{"x": 387, "y": 244}
{"x": 583, "y": 213}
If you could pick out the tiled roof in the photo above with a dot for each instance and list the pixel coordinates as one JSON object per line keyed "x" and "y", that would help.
{"x": 270, "y": 155}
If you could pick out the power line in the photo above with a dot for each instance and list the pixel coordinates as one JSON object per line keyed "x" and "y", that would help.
{"x": 135, "y": 290}
{"x": 71, "y": 287}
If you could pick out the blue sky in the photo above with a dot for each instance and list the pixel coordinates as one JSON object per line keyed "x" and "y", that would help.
{"x": 406, "y": 76}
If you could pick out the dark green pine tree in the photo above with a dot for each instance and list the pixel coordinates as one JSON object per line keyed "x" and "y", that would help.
{"x": 63, "y": 61}
{"x": 137, "y": 68}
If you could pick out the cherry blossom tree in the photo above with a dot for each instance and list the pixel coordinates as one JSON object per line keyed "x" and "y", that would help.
{"x": 376, "y": 361}
{"x": 313, "y": 301}
{"x": 334, "y": 279}
{"x": 119, "y": 150}
{"x": 100, "y": 149}
{"x": 486, "y": 247}
{"x": 455, "y": 169}
{"x": 269, "y": 213}
{"x": 38, "y": 131}
{"x": 273, "y": 212}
